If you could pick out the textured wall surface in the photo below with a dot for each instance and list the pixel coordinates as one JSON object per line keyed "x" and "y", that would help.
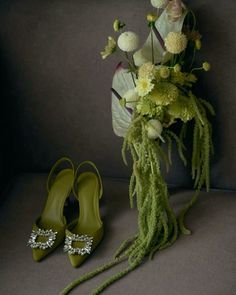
{"x": 56, "y": 87}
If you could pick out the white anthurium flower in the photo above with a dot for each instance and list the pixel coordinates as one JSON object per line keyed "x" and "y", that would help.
{"x": 154, "y": 129}
{"x": 128, "y": 41}
{"x": 121, "y": 118}
{"x": 131, "y": 97}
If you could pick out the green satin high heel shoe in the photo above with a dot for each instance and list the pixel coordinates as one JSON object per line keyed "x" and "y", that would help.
{"x": 88, "y": 232}
{"x": 48, "y": 231}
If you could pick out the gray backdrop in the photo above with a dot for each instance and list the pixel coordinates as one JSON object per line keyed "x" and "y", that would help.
{"x": 56, "y": 89}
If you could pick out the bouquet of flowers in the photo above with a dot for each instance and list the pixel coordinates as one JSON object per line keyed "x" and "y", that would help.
{"x": 149, "y": 97}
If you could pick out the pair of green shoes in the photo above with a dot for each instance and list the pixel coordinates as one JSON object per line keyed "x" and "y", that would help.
{"x": 51, "y": 229}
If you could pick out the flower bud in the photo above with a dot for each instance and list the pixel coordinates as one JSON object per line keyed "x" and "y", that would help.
{"x": 206, "y": 66}
{"x": 122, "y": 102}
{"x": 151, "y": 17}
{"x": 177, "y": 68}
{"x": 198, "y": 44}
{"x": 154, "y": 129}
{"x": 131, "y": 98}
{"x": 117, "y": 25}
{"x": 164, "y": 72}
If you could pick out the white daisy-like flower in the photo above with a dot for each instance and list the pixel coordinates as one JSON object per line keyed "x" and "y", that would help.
{"x": 128, "y": 41}
{"x": 176, "y": 42}
{"x": 159, "y": 3}
{"x": 131, "y": 97}
{"x": 144, "y": 86}
{"x": 154, "y": 129}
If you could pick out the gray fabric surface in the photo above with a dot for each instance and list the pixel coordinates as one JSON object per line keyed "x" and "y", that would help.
{"x": 203, "y": 263}
{"x": 56, "y": 87}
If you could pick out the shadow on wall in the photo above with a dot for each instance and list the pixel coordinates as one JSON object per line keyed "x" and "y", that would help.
{"x": 8, "y": 128}
{"x": 219, "y": 48}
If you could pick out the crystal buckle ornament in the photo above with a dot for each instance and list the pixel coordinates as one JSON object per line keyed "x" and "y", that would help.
{"x": 50, "y": 234}
{"x": 68, "y": 247}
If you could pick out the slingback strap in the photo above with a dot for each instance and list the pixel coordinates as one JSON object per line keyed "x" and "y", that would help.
{"x": 90, "y": 163}
{"x": 52, "y": 173}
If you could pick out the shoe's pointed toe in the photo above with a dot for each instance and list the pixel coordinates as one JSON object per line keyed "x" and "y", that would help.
{"x": 93, "y": 240}
{"x": 77, "y": 260}
{"x": 38, "y": 254}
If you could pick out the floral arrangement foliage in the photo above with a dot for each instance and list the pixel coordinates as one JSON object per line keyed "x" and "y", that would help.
{"x": 149, "y": 97}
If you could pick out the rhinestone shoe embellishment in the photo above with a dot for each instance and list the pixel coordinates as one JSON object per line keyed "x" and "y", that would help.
{"x": 77, "y": 250}
{"x": 50, "y": 234}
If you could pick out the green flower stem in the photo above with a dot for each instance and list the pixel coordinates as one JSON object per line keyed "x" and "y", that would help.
{"x": 159, "y": 38}
{"x": 174, "y": 59}
{"x": 193, "y": 59}
{"x": 194, "y": 19}
{"x": 196, "y": 69}
{"x": 152, "y": 44}
{"x": 132, "y": 67}
{"x": 133, "y": 79}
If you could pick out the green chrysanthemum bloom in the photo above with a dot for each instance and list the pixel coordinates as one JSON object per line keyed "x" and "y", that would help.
{"x": 181, "y": 109}
{"x": 183, "y": 78}
{"x": 160, "y": 112}
{"x": 146, "y": 107}
{"x": 164, "y": 93}
{"x": 177, "y": 78}
{"x": 157, "y": 75}
{"x": 190, "y": 79}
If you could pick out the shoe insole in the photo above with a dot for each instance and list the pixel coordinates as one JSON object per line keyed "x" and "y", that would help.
{"x": 88, "y": 195}
{"x": 59, "y": 191}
